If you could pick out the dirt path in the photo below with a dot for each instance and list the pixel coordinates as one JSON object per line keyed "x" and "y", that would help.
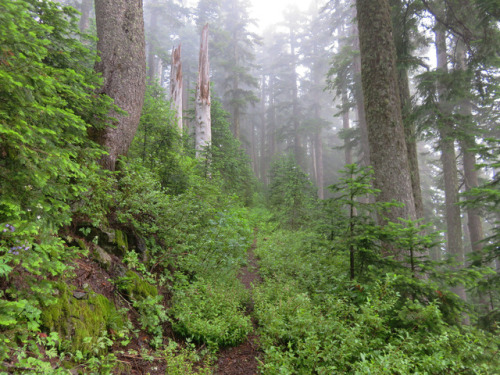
{"x": 242, "y": 359}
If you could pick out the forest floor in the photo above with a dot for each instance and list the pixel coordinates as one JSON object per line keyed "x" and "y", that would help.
{"x": 243, "y": 359}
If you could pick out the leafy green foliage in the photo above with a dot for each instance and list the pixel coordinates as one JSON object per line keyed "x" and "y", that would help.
{"x": 353, "y": 218}
{"x": 291, "y": 192}
{"x": 181, "y": 361}
{"x": 487, "y": 199}
{"x": 147, "y": 302}
{"x": 158, "y": 144}
{"x": 152, "y": 315}
{"x": 46, "y": 106}
{"x": 47, "y": 88}
{"x": 199, "y": 231}
{"x": 212, "y": 312}
{"x": 202, "y": 235}
{"x": 80, "y": 323}
{"x": 314, "y": 320}
{"x": 228, "y": 157}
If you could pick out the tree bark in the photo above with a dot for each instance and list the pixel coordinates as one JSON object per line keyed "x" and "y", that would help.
{"x": 346, "y": 126}
{"x": 450, "y": 172}
{"x": 360, "y": 101}
{"x": 121, "y": 45}
{"x": 176, "y": 85}
{"x": 402, "y": 41}
{"x": 203, "y": 130}
{"x": 411, "y": 141}
{"x": 185, "y": 99}
{"x": 319, "y": 163}
{"x": 388, "y": 152}
{"x": 253, "y": 149}
{"x": 467, "y": 144}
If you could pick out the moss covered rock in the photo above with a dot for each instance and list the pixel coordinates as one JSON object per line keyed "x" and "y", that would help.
{"x": 76, "y": 320}
{"x": 103, "y": 258}
{"x": 121, "y": 242}
{"x": 135, "y": 288}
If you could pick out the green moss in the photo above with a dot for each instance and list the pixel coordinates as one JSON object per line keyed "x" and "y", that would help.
{"x": 121, "y": 242}
{"x": 81, "y": 243}
{"x": 135, "y": 288}
{"x": 75, "y": 320}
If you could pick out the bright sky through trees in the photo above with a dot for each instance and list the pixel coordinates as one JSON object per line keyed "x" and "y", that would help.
{"x": 269, "y": 12}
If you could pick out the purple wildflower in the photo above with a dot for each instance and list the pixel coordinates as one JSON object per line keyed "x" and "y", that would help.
{"x": 9, "y": 227}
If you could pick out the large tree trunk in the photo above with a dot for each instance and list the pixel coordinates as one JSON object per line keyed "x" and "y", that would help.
{"x": 411, "y": 140}
{"x": 467, "y": 144}
{"x": 360, "y": 101}
{"x": 402, "y": 41}
{"x": 185, "y": 100}
{"x": 121, "y": 46}
{"x": 176, "y": 85}
{"x": 203, "y": 130}
{"x": 448, "y": 159}
{"x": 471, "y": 181}
{"x": 388, "y": 152}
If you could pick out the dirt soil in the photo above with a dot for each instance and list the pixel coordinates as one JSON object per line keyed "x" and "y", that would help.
{"x": 243, "y": 359}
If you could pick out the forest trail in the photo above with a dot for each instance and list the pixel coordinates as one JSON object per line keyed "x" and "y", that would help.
{"x": 242, "y": 359}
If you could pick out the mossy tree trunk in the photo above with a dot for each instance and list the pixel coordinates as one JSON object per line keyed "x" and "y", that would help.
{"x": 359, "y": 99}
{"x": 402, "y": 19}
{"x": 121, "y": 46}
{"x": 388, "y": 151}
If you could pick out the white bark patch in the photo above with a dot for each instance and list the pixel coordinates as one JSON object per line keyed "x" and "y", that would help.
{"x": 203, "y": 129}
{"x": 176, "y": 85}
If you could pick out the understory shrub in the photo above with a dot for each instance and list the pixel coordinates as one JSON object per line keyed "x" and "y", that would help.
{"x": 212, "y": 311}
{"x": 300, "y": 336}
{"x": 314, "y": 320}
{"x": 201, "y": 231}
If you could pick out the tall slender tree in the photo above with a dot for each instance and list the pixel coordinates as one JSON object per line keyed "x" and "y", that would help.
{"x": 454, "y": 242}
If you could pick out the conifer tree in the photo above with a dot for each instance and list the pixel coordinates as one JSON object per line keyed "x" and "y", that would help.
{"x": 121, "y": 46}
{"x": 316, "y": 42}
{"x": 388, "y": 150}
